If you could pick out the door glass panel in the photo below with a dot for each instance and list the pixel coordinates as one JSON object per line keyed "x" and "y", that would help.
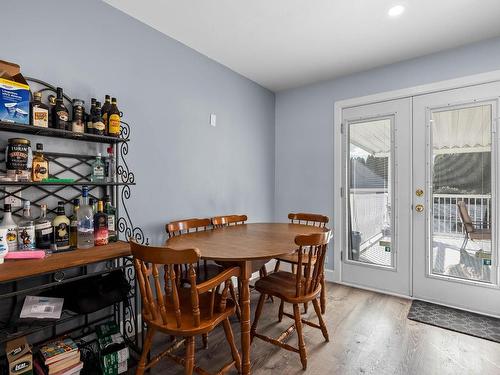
{"x": 461, "y": 193}
{"x": 370, "y": 192}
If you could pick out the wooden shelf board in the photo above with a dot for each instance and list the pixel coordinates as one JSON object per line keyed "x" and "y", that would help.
{"x": 12, "y": 270}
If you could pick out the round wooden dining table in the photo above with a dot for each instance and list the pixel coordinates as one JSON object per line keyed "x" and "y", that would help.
{"x": 243, "y": 245}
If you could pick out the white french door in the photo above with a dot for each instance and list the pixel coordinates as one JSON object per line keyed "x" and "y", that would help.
{"x": 456, "y": 163}
{"x": 420, "y": 197}
{"x": 377, "y": 182}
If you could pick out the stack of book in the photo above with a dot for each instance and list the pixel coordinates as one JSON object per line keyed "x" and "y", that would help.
{"x": 59, "y": 357}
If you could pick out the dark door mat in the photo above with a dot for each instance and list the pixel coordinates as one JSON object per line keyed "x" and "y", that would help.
{"x": 471, "y": 324}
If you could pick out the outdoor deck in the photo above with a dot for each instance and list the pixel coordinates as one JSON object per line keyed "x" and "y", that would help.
{"x": 446, "y": 257}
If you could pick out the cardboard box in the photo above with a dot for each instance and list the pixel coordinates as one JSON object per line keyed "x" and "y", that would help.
{"x": 14, "y": 94}
{"x": 19, "y": 356}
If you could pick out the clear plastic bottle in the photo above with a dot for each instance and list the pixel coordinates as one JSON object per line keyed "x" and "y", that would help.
{"x": 26, "y": 229}
{"x": 85, "y": 222}
{"x": 11, "y": 226}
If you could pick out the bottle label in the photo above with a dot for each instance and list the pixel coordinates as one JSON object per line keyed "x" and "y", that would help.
{"x": 61, "y": 235}
{"x": 63, "y": 115}
{"x": 114, "y": 124}
{"x": 44, "y": 228}
{"x": 111, "y": 223}
{"x": 78, "y": 126}
{"x": 101, "y": 233}
{"x": 40, "y": 117}
{"x": 98, "y": 172}
{"x": 12, "y": 238}
{"x": 99, "y": 126}
{"x": 26, "y": 237}
{"x": 40, "y": 171}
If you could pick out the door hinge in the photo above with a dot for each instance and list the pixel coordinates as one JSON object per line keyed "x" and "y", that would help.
{"x": 341, "y": 256}
{"x": 341, "y": 128}
{"x": 341, "y": 192}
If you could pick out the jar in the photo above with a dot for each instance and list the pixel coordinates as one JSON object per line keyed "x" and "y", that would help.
{"x": 18, "y": 157}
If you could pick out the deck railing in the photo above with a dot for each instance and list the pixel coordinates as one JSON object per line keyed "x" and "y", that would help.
{"x": 369, "y": 210}
{"x": 446, "y": 218}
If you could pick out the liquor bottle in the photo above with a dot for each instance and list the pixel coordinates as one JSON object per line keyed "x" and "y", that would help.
{"x": 39, "y": 112}
{"x": 97, "y": 122}
{"x": 104, "y": 112}
{"x": 114, "y": 120}
{"x": 78, "y": 123}
{"x": 110, "y": 212}
{"x": 90, "y": 116}
{"x": 52, "y": 106}
{"x": 61, "y": 228}
{"x": 44, "y": 232}
{"x": 40, "y": 169}
{"x": 60, "y": 115}
{"x": 85, "y": 222}
{"x": 11, "y": 226}
{"x": 110, "y": 165}
{"x": 100, "y": 226}
{"x": 26, "y": 229}
{"x": 73, "y": 224}
{"x": 97, "y": 166}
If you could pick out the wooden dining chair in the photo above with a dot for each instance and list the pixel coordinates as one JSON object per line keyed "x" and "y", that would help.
{"x": 228, "y": 220}
{"x": 296, "y": 288}
{"x": 316, "y": 220}
{"x": 181, "y": 312}
{"x": 205, "y": 270}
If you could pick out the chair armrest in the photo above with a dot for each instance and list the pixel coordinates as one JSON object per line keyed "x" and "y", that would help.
{"x": 217, "y": 280}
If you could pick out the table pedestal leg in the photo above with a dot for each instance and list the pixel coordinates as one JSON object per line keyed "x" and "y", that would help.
{"x": 246, "y": 273}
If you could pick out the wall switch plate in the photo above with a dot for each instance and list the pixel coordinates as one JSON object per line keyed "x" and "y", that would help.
{"x": 213, "y": 119}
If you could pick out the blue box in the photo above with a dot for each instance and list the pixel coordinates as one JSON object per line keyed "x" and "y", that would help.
{"x": 14, "y": 94}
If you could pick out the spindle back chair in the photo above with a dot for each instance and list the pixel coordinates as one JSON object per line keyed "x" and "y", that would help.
{"x": 182, "y": 312}
{"x": 297, "y": 288}
{"x": 315, "y": 220}
{"x": 205, "y": 270}
{"x": 222, "y": 221}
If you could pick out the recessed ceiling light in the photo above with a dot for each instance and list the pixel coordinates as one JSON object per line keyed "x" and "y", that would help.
{"x": 396, "y": 11}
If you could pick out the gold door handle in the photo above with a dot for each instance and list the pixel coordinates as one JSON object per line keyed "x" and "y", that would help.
{"x": 419, "y": 192}
{"x": 419, "y": 207}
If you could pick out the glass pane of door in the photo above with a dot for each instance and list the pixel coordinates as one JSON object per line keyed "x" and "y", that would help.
{"x": 461, "y": 171}
{"x": 370, "y": 192}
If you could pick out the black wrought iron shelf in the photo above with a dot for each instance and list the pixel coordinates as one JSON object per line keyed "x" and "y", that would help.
{"x": 79, "y": 183}
{"x": 58, "y": 133}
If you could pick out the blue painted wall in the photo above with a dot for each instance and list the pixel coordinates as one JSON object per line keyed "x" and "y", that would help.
{"x": 305, "y": 118}
{"x": 183, "y": 166}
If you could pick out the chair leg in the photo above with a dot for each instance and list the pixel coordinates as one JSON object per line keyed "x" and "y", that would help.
{"x": 322, "y": 296}
{"x": 235, "y": 299}
{"x": 141, "y": 367}
{"x": 264, "y": 270}
{"x": 298, "y": 326}
{"x": 257, "y": 316}
{"x": 280, "y": 312}
{"x": 189, "y": 366}
{"x": 230, "y": 339}
{"x": 204, "y": 338}
{"x": 322, "y": 324}
{"x": 277, "y": 266}
{"x": 306, "y": 307}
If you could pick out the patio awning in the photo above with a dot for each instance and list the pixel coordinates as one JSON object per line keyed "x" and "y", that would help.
{"x": 453, "y": 131}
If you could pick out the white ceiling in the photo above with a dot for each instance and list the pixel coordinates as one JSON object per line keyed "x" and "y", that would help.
{"x": 287, "y": 43}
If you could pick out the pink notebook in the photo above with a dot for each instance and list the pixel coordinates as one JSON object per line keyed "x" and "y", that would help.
{"x": 31, "y": 254}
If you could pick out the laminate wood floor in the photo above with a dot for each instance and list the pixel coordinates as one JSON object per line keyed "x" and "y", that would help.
{"x": 369, "y": 334}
